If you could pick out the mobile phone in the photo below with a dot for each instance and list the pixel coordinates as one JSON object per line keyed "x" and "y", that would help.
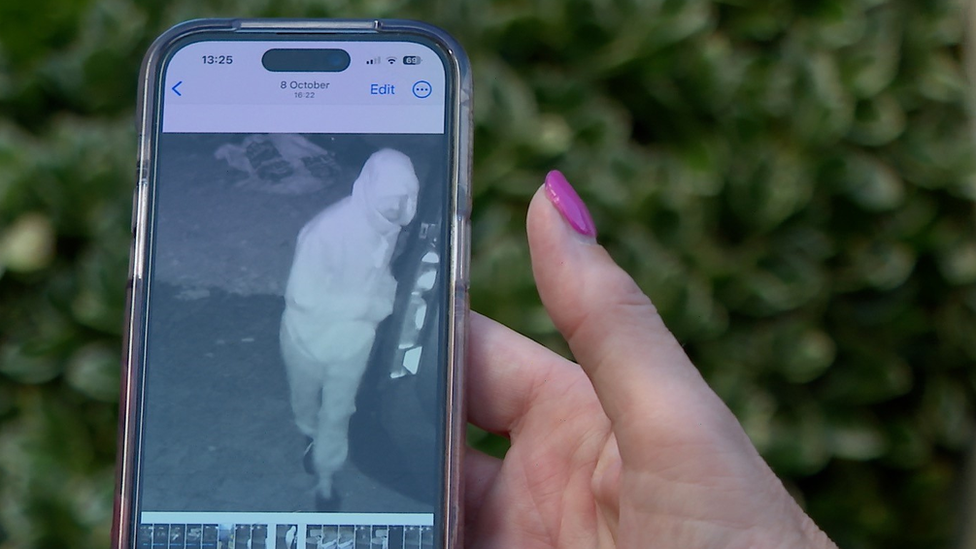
{"x": 297, "y": 301}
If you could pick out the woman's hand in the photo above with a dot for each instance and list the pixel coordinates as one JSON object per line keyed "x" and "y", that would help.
{"x": 629, "y": 448}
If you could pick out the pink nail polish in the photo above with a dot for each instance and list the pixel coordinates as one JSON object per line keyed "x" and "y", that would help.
{"x": 564, "y": 198}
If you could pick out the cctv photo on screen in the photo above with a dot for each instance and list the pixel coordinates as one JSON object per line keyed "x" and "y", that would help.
{"x": 297, "y": 295}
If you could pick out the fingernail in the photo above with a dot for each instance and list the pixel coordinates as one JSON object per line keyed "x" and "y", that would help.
{"x": 568, "y": 203}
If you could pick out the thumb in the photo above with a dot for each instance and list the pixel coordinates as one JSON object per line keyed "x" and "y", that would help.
{"x": 613, "y": 329}
{"x": 687, "y": 454}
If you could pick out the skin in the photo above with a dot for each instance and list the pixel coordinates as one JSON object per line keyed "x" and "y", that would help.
{"x": 629, "y": 448}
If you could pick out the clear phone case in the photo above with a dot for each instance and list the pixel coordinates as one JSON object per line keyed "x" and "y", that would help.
{"x": 126, "y": 530}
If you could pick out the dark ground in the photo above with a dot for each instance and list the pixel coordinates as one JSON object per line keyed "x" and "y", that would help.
{"x": 220, "y": 433}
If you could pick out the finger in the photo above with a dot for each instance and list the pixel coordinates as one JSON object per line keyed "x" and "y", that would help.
{"x": 613, "y": 329}
{"x": 506, "y": 372}
{"x": 480, "y": 471}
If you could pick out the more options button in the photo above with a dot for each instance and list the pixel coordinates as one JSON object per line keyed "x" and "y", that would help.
{"x": 422, "y": 89}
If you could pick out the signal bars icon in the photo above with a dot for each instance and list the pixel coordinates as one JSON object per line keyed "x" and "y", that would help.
{"x": 376, "y": 60}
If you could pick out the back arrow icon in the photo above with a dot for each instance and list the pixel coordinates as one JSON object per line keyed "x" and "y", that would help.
{"x": 176, "y": 91}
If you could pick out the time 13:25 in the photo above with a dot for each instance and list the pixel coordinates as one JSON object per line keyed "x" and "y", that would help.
{"x": 217, "y": 59}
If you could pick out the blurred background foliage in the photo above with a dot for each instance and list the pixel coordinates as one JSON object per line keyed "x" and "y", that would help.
{"x": 790, "y": 180}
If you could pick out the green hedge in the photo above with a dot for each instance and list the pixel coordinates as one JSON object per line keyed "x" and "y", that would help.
{"x": 791, "y": 181}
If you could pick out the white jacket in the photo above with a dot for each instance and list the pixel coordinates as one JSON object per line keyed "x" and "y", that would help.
{"x": 340, "y": 286}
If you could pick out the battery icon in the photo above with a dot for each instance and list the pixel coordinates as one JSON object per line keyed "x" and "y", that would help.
{"x": 411, "y": 59}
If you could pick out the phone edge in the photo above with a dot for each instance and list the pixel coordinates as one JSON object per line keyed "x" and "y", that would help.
{"x": 458, "y": 306}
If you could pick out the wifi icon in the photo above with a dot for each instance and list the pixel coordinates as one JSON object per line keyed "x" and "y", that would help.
{"x": 391, "y": 60}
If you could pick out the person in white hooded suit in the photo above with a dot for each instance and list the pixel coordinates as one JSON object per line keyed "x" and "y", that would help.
{"x": 339, "y": 289}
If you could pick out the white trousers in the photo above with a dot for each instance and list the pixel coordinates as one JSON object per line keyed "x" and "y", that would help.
{"x": 323, "y": 391}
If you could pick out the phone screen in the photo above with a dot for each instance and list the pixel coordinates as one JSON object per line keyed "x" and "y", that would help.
{"x": 297, "y": 273}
